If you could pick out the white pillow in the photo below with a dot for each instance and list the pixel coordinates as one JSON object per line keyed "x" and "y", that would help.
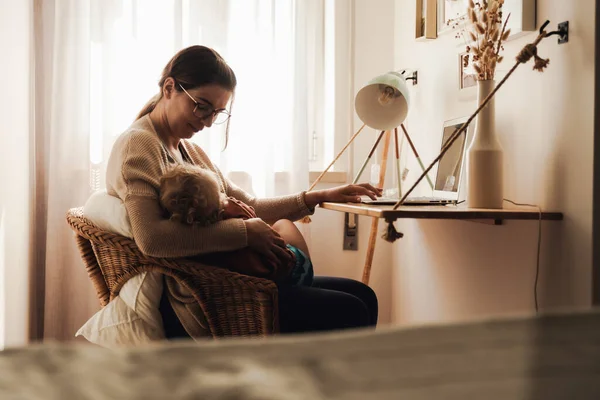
{"x": 108, "y": 212}
{"x": 133, "y": 317}
{"x": 142, "y": 294}
{"x": 118, "y": 325}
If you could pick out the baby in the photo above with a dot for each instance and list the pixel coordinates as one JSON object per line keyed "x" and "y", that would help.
{"x": 191, "y": 195}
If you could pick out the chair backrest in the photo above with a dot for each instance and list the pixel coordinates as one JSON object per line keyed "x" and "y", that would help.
{"x": 93, "y": 269}
{"x": 78, "y": 223}
{"x": 110, "y": 259}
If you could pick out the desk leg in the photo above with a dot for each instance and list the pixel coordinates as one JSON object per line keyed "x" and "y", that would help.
{"x": 370, "y": 250}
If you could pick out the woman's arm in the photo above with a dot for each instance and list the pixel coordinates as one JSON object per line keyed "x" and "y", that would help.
{"x": 160, "y": 237}
{"x": 292, "y": 207}
{"x": 296, "y": 206}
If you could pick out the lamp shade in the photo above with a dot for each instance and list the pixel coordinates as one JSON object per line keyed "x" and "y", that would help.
{"x": 383, "y": 103}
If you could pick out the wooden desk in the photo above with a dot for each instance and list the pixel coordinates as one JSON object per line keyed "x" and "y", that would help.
{"x": 459, "y": 212}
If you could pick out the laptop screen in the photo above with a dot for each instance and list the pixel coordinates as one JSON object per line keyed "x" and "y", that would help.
{"x": 450, "y": 165}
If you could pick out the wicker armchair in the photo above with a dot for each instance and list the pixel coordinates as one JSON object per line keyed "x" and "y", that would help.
{"x": 234, "y": 304}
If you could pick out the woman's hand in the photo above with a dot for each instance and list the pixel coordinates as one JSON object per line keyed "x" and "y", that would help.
{"x": 266, "y": 241}
{"x": 342, "y": 194}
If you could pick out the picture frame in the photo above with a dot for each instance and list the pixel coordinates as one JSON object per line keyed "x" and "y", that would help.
{"x": 466, "y": 75}
{"x": 522, "y": 15}
{"x": 426, "y": 19}
{"x": 449, "y": 9}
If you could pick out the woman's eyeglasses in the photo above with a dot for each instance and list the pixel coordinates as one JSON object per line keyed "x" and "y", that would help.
{"x": 205, "y": 111}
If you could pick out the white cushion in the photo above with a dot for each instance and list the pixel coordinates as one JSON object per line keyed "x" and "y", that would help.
{"x": 118, "y": 325}
{"x": 142, "y": 294}
{"x": 108, "y": 212}
{"x": 133, "y": 317}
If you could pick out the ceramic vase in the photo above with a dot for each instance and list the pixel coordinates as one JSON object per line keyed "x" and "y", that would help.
{"x": 485, "y": 158}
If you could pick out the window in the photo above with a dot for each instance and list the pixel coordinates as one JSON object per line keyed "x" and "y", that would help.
{"x": 290, "y": 57}
{"x": 332, "y": 132}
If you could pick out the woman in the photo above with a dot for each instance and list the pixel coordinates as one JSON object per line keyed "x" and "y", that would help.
{"x": 195, "y": 89}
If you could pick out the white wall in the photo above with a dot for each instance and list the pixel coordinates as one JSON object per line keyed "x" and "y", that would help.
{"x": 14, "y": 170}
{"x": 453, "y": 270}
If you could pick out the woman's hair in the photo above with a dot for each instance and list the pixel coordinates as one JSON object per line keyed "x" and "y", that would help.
{"x": 193, "y": 67}
{"x": 191, "y": 195}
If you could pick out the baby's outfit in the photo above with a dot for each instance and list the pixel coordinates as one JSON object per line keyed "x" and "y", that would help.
{"x": 302, "y": 273}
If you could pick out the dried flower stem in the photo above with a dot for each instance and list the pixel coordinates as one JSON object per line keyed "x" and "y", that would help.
{"x": 502, "y": 35}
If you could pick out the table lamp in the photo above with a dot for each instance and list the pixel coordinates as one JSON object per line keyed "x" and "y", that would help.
{"x": 383, "y": 104}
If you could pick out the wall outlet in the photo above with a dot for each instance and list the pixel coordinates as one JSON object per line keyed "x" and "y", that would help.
{"x": 350, "y": 231}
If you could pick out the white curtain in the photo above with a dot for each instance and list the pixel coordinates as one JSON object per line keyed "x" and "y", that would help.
{"x": 62, "y": 295}
{"x": 265, "y": 42}
{"x": 15, "y": 202}
{"x": 98, "y": 61}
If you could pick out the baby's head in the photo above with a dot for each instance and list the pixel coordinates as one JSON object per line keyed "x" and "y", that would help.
{"x": 191, "y": 195}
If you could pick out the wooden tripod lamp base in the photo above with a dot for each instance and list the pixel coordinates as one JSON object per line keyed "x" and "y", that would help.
{"x": 386, "y": 136}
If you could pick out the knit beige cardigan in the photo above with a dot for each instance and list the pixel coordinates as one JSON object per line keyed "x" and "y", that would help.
{"x": 137, "y": 161}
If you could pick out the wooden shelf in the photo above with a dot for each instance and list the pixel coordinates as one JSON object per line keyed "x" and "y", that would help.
{"x": 443, "y": 212}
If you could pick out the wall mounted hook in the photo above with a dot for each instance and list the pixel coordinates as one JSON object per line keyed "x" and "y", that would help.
{"x": 412, "y": 77}
{"x": 562, "y": 32}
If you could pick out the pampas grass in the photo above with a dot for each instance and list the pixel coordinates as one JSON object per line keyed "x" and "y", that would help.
{"x": 482, "y": 28}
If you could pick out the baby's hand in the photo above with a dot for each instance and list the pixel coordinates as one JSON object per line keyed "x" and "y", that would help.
{"x": 234, "y": 208}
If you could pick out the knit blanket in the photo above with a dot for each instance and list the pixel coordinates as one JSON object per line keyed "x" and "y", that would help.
{"x": 549, "y": 357}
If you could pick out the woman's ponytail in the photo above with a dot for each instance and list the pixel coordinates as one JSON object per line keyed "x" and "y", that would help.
{"x": 150, "y": 105}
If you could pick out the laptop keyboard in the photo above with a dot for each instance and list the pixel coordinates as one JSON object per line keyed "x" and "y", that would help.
{"x": 430, "y": 199}
{"x": 418, "y": 200}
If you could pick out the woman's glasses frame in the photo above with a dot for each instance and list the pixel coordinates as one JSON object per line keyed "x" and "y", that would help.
{"x": 208, "y": 111}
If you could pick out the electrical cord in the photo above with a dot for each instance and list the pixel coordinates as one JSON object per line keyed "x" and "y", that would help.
{"x": 539, "y": 246}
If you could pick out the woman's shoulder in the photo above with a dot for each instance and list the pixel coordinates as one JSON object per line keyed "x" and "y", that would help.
{"x": 140, "y": 135}
{"x": 136, "y": 156}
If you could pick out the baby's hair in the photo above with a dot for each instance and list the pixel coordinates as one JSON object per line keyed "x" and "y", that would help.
{"x": 191, "y": 194}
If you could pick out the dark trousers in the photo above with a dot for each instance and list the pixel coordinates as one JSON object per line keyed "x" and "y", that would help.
{"x": 329, "y": 304}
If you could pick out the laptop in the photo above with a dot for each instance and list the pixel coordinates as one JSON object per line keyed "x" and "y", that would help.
{"x": 449, "y": 171}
